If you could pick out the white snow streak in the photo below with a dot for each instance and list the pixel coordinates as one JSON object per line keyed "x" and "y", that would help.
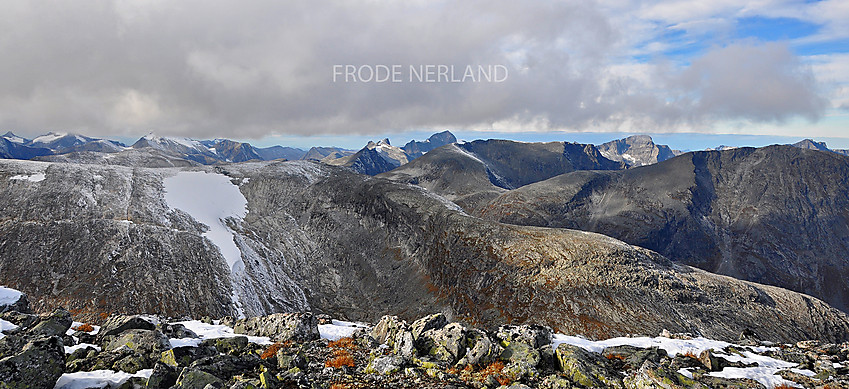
{"x": 97, "y": 379}
{"x": 210, "y": 199}
{"x": 37, "y": 177}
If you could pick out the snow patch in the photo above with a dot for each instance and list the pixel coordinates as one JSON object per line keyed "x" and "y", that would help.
{"x": 71, "y": 349}
{"x": 211, "y": 331}
{"x": 339, "y": 329}
{"x": 765, "y": 372}
{"x": 37, "y": 177}
{"x": 210, "y": 199}
{"x": 97, "y": 379}
{"x": 6, "y": 326}
{"x": 9, "y": 296}
{"x": 49, "y": 137}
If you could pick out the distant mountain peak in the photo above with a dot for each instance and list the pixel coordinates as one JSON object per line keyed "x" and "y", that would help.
{"x": 636, "y": 150}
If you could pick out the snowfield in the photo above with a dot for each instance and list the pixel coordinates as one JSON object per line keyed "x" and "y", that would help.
{"x": 211, "y": 199}
{"x": 97, "y": 379}
{"x": 765, "y": 372}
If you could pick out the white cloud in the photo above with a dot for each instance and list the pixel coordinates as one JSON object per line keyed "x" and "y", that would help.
{"x": 236, "y": 69}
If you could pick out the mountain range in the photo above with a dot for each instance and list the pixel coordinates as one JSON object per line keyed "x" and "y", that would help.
{"x": 622, "y": 238}
{"x": 317, "y": 237}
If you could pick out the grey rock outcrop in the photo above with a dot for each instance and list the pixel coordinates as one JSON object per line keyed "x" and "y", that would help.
{"x": 281, "y": 327}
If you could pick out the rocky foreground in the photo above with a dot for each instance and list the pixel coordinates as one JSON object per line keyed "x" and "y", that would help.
{"x": 305, "y": 350}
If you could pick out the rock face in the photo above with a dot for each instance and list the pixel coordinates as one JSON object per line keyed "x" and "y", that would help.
{"x": 471, "y": 174}
{"x": 775, "y": 215}
{"x": 636, "y": 150}
{"x": 326, "y": 239}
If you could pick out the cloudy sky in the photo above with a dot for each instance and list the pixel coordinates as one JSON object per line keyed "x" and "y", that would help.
{"x": 264, "y": 69}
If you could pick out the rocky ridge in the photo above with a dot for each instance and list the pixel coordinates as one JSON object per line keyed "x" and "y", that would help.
{"x": 305, "y": 350}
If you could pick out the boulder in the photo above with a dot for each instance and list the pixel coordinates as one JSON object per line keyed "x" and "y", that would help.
{"x": 386, "y": 330}
{"x": 430, "y": 322}
{"x": 280, "y": 327}
{"x": 191, "y": 378}
{"x": 162, "y": 377}
{"x": 386, "y": 365}
{"x": 445, "y": 344}
{"x": 404, "y": 345}
{"x": 141, "y": 341}
{"x": 520, "y": 352}
{"x": 234, "y": 346}
{"x": 13, "y": 301}
{"x": 23, "y": 320}
{"x": 178, "y": 331}
{"x": 117, "y": 324}
{"x": 184, "y": 356}
{"x": 39, "y": 364}
{"x": 585, "y": 368}
{"x": 480, "y": 349}
{"x": 650, "y": 375}
{"x": 56, "y": 323}
{"x": 533, "y": 335}
{"x": 633, "y": 357}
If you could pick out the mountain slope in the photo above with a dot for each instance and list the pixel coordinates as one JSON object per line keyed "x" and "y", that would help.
{"x": 324, "y": 238}
{"x": 775, "y": 215}
{"x": 471, "y": 174}
{"x": 636, "y": 150}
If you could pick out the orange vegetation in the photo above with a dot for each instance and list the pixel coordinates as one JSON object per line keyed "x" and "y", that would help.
{"x": 85, "y": 327}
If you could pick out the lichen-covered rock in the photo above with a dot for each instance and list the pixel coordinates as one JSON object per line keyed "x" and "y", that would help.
{"x": 140, "y": 341}
{"x": 116, "y": 324}
{"x": 445, "y": 344}
{"x": 480, "y": 349}
{"x": 38, "y": 365}
{"x": 535, "y": 336}
{"x": 20, "y": 319}
{"x": 234, "y": 345}
{"x": 633, "y": 357}
{"x": 650, "y": 376}
{"x": 197, "y": 379}
{"x": 430, "y": 322}
{"x": 287, "y": 359}
{"x": 162, "y": 376}
{"x": 55, "y": 324}
{"x": 520, "y": 352}
{"x": 387, "y": 328}
{"x": 404, "y": 345}
{"x": 280, "y": 327}
{"x": 585, "y": 368}
{"x": 226, "y": 366}
{"x": 184, "y": 356}
{"x": 386, "y": 365}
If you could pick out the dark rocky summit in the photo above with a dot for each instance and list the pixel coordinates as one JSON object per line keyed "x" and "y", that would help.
{"x": 775, "y": 215}
{"x": 100, "y": 240}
